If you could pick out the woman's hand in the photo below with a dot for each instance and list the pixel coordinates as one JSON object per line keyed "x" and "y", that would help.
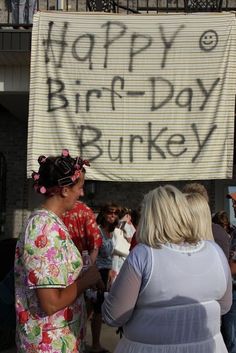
{"x": 111, "y": 276}
{"x": 88, "y": 278}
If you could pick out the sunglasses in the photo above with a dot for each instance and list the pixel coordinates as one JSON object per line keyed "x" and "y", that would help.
{"x": 110, "y": 212}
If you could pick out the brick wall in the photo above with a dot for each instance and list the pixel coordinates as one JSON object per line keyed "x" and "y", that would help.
{"x": 125, "y": 194}
{"x": 131, "y": 194}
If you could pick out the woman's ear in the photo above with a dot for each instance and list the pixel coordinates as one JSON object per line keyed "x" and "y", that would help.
{"x": 64, "y": 191}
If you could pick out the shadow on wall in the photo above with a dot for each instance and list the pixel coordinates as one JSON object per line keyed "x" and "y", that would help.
{"x": 3, "y": 180}
{"x": 126, "y": 194}
{"x": 13, "y": 145}
{"x": 7, "y": 293}
{"x": 129, "y": 194}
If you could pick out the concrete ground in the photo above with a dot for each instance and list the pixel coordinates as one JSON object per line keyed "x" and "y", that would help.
{"x": 109, "y": 339}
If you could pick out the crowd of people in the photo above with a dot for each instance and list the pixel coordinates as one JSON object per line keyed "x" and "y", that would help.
{"x": 161, "y": 274}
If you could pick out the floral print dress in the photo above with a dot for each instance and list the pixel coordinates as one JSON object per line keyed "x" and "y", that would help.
{"x": 47, "y": 258}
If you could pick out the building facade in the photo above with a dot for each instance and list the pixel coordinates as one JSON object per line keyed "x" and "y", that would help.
{"x": 17, "y": 198}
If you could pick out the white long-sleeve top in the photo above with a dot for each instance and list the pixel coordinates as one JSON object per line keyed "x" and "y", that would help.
{"x": 171, "y": 299}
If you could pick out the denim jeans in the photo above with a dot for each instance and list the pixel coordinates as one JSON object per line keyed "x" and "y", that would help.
{"x": 23, "y": 11}
{"x": 228, "y": 326}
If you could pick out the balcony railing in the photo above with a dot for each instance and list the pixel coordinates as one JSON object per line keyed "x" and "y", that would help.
{"x": 18, "y": 13}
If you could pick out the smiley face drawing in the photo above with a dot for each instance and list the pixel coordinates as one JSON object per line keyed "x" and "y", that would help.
{"x": 208, "y": 40}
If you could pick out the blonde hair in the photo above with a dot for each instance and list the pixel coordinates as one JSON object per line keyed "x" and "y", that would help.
{"x": 196, "y": 187}
{"x": 201, "y": 212}
{"x": 165, "y": 217}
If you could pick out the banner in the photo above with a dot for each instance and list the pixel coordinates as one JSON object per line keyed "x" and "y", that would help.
{"x": 143, "y": 97}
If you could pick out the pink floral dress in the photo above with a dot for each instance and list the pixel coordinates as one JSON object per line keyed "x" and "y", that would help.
{"x": 47, "y": 258}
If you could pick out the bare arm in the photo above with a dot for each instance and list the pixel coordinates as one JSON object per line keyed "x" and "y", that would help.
{"x": 232, "y": 265}
{"x": 54, "y": 299}
{"x": 93, "y": 255}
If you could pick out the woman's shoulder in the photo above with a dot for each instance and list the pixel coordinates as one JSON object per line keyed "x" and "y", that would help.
{"x": 140, "y": 259}
{"x": 211, "y": 244}
{"x": 140, "y": 248}
{"x": 45, "y": 220}
{"x": 140, "y": 255}
{"x": 214, "y": 250}
{"x": 40, "y": 215}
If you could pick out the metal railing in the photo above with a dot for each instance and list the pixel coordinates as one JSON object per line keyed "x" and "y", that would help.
{"x": 19, "y": 13}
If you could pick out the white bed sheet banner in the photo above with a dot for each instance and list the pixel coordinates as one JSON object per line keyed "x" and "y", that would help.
{"x": 143, "y": 97}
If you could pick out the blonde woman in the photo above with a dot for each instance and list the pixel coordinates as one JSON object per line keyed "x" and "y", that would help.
{"x": 219, "y": 234}
{"x": 165, "y": 295}
{"x": 201, "y": 213}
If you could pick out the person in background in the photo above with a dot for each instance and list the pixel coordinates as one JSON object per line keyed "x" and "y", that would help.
{"x": 222, "y": 219}
{"x": 173, "y": 286}
{"x": 228, "y": 326}
{"x": 48, "y": 279}
{"x": 84, "y": 232}
{"x": 126, "y": 222}
{"x": 126, "y": 230}
{"x": 22, "y": 12}
{"x": 232, "y": 196}
{"x": 107, "y": 220}
{"x": 83, "y": 229}
{"x": 200, "y": 210}
{"x": 219, "y": 234}
{"x": 135, "y": 216}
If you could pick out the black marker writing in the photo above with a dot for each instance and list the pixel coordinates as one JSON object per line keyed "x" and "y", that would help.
{"x": 49, "y": 42}
{"x": 156, "y": 143}
{"x": 135, "y": 51}
{"x": 87, "y": 56}
{"x": 110, "y": 40}
{"x": 168, "y": 44}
